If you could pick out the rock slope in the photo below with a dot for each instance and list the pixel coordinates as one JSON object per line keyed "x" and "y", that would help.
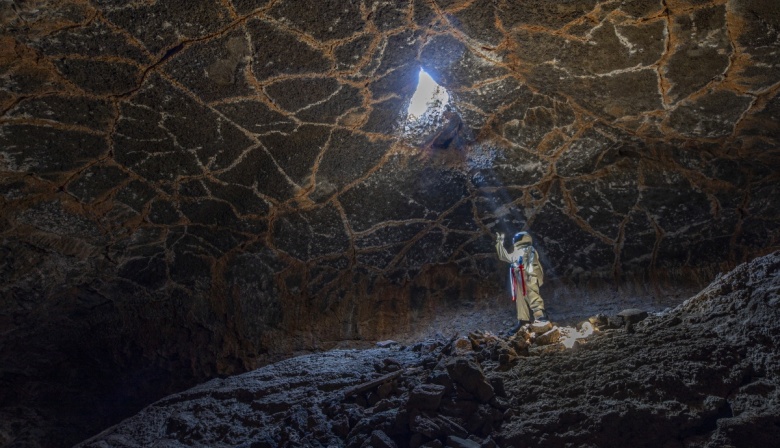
{"x": 705, "y": 374}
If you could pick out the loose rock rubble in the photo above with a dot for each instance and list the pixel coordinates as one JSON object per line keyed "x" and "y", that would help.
{"x": 702, "y": 375}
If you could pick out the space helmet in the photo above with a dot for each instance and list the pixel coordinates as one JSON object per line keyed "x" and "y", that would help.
{"x": 522, "y": 239}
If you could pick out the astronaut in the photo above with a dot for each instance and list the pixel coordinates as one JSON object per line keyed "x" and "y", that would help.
{"x": 526, "y": 276}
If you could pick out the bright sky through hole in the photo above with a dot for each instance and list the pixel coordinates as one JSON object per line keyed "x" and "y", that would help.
{"x": 428, "y": 94}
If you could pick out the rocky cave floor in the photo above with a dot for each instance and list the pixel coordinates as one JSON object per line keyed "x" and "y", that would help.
{"x": 704, "y": 374}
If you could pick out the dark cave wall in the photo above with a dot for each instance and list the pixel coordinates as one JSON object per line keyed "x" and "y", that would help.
{"x": 190, "y": 189}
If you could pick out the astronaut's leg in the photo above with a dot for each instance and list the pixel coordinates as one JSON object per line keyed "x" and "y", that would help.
{"x": 523, "y": 312}
{"x": 535, "y": 301}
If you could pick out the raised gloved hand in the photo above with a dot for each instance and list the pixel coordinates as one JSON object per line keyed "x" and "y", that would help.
{"x": 500, "y": 236}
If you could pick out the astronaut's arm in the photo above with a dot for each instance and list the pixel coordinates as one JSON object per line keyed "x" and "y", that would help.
{"x": 500, "y": 250}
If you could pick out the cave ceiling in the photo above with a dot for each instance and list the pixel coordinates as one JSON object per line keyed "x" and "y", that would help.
{"x": 191, "y": 160}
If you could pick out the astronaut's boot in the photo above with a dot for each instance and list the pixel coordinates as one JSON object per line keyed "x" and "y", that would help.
{"x": 516, "y": 327}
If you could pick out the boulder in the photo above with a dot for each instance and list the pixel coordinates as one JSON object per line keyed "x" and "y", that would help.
{"x": 426, "y": 397}
{"x": 549, "y": 337}
{"x": 519, "y": 345}
{"x": 633, "y": 315}
{"x": 501, "y": 348}
{"x": 442, "y": 378}
{"x": 541, "y": 328}
{"x": 463, "y": 346}
{"x": 468, "y": 374}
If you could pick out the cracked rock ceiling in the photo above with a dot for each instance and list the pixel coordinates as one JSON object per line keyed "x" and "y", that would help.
{"x": 191, "y": 185}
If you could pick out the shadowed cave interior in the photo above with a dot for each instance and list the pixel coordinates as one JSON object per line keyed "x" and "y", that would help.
{"x": 224, "y": 205}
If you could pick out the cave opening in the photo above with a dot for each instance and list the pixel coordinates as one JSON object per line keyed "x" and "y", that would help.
{"x": 432, "y": 121}
{"x": 429, "y": 98}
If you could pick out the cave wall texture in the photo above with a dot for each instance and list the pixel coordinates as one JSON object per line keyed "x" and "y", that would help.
{"x": 190, "y": 187}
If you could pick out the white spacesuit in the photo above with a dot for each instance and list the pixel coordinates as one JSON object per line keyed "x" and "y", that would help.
{"x": 526, "y": 275}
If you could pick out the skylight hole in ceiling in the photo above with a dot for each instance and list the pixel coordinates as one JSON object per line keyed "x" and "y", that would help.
{"x": 428, "y": 98}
